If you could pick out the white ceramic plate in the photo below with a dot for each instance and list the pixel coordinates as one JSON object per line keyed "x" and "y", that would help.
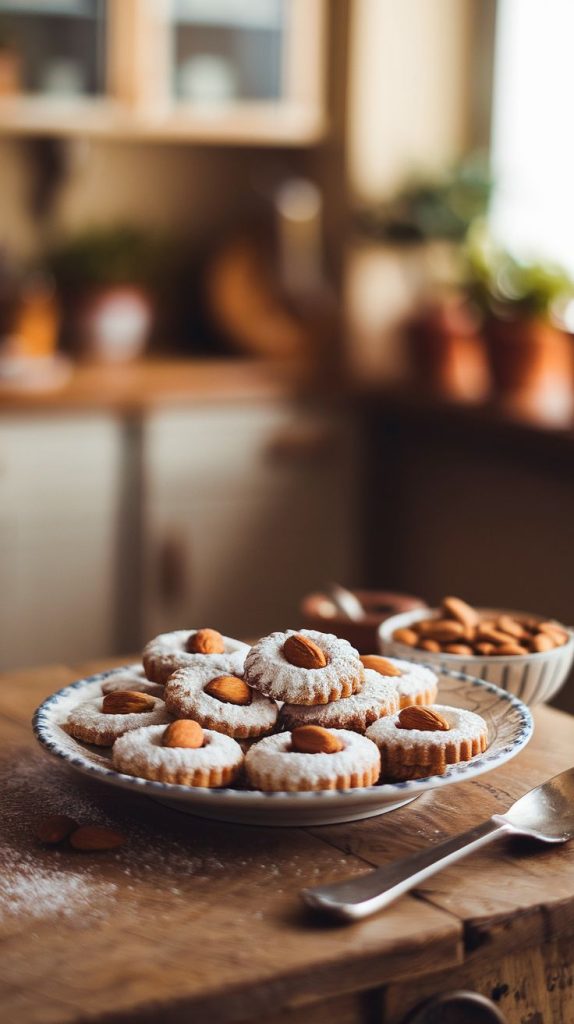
{"x": 509, "y": 729}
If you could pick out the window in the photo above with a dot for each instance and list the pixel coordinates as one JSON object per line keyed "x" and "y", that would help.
{"x": 533, "y": 133}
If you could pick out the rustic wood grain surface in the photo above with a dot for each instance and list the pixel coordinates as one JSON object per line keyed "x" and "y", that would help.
{"x": 198, "y": 920}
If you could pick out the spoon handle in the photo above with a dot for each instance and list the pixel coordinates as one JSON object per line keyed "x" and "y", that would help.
{"x": 358, "y": 897}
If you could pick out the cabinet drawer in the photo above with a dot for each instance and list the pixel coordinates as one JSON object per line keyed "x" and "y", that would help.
{"x": 228, "y": 450}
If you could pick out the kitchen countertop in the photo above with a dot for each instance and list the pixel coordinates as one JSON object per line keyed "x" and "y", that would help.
{"x": 197, "y": 920}
{"x": 135, "y": 388}
{"x": 141, "y": 385}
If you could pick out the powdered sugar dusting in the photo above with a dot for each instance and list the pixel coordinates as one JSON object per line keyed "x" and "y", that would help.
{"x": 414, "y": 679}
{"x": 464, "y": 725}
{"x": 186, "y": 698}
{"x": 273, "y": 759}
{"x": 378, "y": 697}
{"x": 39, "y": 892}
{"x": 42, "y": 883}
{"x": 168, "y": 652}
{"x": 139, "y": 752}
{"x": 132, "y": 677}
{"x": 87, "y": 721}
{"x": 267, "y": 669}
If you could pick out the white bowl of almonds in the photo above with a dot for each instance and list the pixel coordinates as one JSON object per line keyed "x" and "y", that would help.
{"x": 528, "y": 655}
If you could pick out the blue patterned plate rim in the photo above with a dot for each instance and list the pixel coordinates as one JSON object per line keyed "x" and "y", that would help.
{"x": 44, "y": 731}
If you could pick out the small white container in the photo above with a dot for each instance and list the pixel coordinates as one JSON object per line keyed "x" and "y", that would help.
{"x": 535, "y": 678}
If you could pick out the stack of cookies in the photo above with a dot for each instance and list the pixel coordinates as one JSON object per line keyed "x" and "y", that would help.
{"x": 297, "y": 711}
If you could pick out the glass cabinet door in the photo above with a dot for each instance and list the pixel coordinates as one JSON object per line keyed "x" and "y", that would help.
{"x": 224, "y": 51}
{"x": 52, "y": 48}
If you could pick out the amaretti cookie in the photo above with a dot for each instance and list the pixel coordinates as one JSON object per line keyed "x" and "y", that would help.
{"x": 422, "y": 741}
{"x": 311, "y": 758}
{"x": 218, "y": 701}
{"x": 182, "y": 753}
{"x": 132, "y": 677}
{"x": 305, "y": 667}
{"x": 378, "y": 697}
{"x": 102, "y": 719}
{"x": 415, "y": 683}
{"x": 169, "y": 652}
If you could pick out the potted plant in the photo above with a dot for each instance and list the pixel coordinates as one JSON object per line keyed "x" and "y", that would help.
{"x": 528, "y": 348}
{"x": 107, "y": 279}
{"x": 422, "y": 229}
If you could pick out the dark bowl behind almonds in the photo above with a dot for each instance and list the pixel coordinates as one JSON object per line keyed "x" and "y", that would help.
{"x": 318, "y": 612}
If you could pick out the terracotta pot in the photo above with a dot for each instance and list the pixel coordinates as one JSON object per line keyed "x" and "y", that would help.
{"x": 527, "y": 354}
{"x": 447, "y": 353}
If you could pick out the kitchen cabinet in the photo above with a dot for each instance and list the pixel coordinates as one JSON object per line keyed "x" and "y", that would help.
{"x": 60, "y": 493}
{"x": 119, "y": 524}
{"x": 246, "y": 508}
{"x": 212, "y": 71}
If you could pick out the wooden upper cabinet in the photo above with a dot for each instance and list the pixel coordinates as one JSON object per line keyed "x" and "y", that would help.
{"x": 212, "y": 71}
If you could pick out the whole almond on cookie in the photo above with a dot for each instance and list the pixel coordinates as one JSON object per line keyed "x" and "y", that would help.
{"x": 55, "y": 829}
{"x": 184, "y": 733}
{"x": 423, "y": 718}
{"x": 380, "y": 665}
{"x": 456, "y": 608}
{"x": 96, "y": 837}
{"x": 206, "y": 641}
{"x": 313, "y": 739}
{"x": 229, "y": 690}
{"x": 300, "y": 651}
{"x": 127, "y": 702}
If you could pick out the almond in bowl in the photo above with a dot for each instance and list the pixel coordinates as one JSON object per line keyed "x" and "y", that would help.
{"x": 525, "y": 654}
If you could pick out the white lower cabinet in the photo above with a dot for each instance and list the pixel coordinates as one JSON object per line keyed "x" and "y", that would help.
{"x": 246, "y": 509}
{"x": 60, "y": 491}
{"x": 114, "y": 530}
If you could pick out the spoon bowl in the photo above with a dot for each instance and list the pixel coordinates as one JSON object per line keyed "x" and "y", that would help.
{"x": 545, "y": 813}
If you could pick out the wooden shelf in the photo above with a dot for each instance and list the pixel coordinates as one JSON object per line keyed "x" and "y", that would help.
{"x": 148, "y": 383}
{"x": 139, "y": 105}
{"x": 255, "y": 124}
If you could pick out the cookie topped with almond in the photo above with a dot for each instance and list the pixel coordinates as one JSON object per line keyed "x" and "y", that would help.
{"x": 220, "y": 701}
{"x": 183, "y": 648}
{"x": 414, "y": 684}
{"x": 101, "y": 720}
{"x": 304, "y": 667}
{"x": 182, "y": 753}
{"x": 311, "y": 757}
{"x": 421, "y": 741}
{"x": 378, "y": 697}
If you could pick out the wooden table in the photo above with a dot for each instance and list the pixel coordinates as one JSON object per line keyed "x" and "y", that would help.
{"x": 200, "y": 921}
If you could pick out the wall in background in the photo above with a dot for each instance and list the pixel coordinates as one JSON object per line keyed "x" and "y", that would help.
{"x": 157, "y": 186}
{"x": 412, "y": 100}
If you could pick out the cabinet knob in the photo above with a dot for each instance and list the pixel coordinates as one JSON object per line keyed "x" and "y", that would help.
{"x": 460, "y": 1007}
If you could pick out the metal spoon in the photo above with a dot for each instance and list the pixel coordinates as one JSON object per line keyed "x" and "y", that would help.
{"x": 545, "y": 813}
{"x": 346, "y": 602}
